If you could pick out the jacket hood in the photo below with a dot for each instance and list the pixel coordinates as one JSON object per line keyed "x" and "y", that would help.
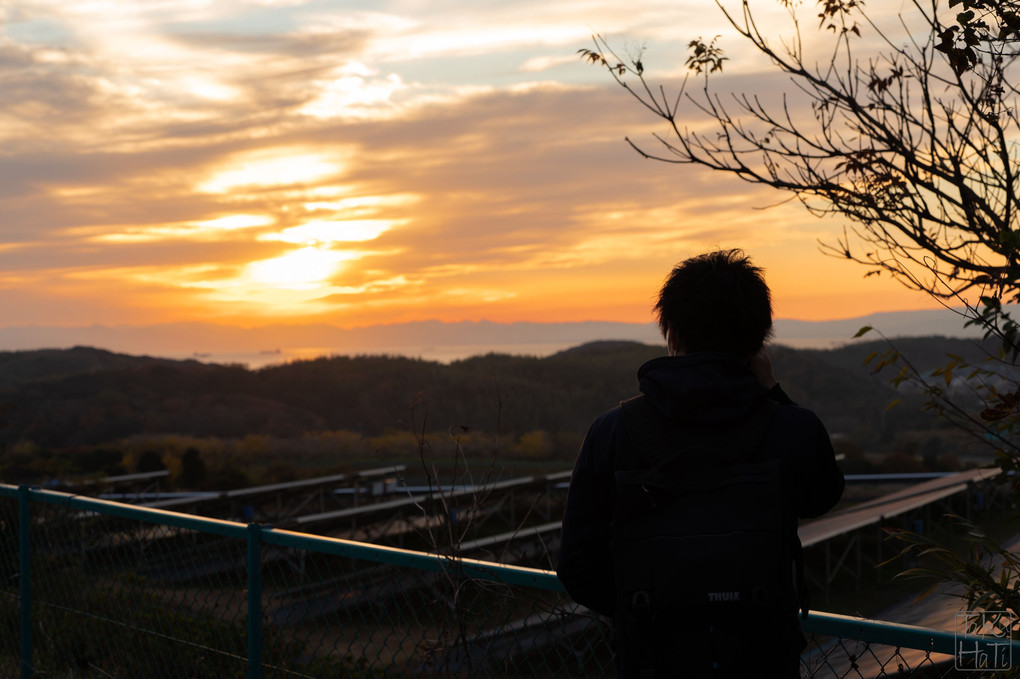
{"x": 704, "y": 387}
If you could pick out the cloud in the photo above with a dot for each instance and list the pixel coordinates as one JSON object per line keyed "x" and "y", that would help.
{"x": 545, "y": 62}
{"x": 511, "y": 182}
{"x": 265, "y": 158}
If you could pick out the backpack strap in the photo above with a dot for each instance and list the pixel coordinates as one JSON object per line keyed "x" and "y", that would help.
{"x": 801, "y": 583}
{"x": 646, "y": 441}
{"x": 646, "y": 436}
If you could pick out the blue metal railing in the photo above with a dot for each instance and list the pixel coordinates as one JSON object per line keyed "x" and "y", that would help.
{"x": 258, "y": 538}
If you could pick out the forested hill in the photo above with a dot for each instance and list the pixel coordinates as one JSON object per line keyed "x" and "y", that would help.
{"x": 85, "y": 396}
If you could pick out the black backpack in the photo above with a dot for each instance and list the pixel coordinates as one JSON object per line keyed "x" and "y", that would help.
{"x": 704, "y": 542}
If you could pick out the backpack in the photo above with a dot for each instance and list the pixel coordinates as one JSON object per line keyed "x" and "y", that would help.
{"x": 703, "y": 536}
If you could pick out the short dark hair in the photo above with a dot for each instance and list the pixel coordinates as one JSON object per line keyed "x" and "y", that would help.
{"x": 717, "y": 301}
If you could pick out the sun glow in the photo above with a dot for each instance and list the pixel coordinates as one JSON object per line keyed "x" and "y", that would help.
{"x": 303, "y": 269}
{"x": 207, "y": 230}
{"x": 320, "y": 232}
{"x": 354, "y": 91}
{"x": 206, "y": 88}
{"x": 234, "y": 222}
{"x": 360, "y": 205}
{"x": 273, "y": 168}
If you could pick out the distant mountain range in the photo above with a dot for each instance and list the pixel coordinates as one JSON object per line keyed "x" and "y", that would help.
{"x": 433, "y": 340}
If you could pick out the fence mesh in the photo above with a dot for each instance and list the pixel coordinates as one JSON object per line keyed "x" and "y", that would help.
{"x": 836, "y": 658}
{"x": 363, "y": 619}
{"x": 122, "y": 598}
{"x": 116, "y": 597}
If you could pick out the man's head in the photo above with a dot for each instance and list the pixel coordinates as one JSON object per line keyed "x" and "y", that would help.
{"x": 717, "y": 301}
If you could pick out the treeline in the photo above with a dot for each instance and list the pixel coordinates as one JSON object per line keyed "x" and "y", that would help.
{"x": 114, "y": 410}
{"x": 110, "y": 398}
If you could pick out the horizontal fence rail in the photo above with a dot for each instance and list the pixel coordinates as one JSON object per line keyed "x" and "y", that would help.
{"x": 96, "y": 588}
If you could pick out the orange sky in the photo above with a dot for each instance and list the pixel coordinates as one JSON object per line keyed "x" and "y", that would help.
{"x": 354, "y": 163}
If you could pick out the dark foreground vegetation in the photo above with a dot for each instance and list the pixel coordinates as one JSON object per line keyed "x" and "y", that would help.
{"x": 83, "y": 411}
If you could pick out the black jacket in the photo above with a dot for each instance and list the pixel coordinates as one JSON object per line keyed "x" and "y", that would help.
{"x": 704, "y": 394}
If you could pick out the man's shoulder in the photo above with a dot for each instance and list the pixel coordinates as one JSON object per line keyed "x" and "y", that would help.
{"x": 604, "y": 438}
{"x": 608, "y": 419}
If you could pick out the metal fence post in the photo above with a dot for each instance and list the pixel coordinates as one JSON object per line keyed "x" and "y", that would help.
{"x": 254, "y": 601}
{"x": 25, "y": 581}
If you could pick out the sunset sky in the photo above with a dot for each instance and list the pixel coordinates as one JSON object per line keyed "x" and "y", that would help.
{"x": 351, "y": 162}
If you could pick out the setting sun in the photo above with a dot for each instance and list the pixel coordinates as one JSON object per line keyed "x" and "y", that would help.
{"x": 302, "y": 269}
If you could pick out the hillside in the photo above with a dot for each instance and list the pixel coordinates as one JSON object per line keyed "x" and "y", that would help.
{"x": 82, "y": 397}
{"x": 112, "y": 396}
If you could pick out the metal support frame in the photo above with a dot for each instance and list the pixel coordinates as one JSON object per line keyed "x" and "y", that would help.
{"x": 254, "y": 601}
{"x": 831, "y": 571}
{"x": 950, "y": 504}
{"x": 25, "y": 579}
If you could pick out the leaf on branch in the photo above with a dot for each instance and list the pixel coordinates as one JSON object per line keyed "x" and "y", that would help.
{"x": 880, "y": 85}
{"x": 591, "y": 56}
{"x": 839, "y": 11}
{"x": 915, "y": 573}
{"x": 705, "y": 55}
{"x": 873, "y": 272}
{"x": 863, "y": 331}
{"x": 991, "y": 305}
{"x": 1008, "y": 406}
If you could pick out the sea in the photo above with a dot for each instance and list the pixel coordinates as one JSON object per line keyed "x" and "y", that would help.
{"x": 439, "y": 353}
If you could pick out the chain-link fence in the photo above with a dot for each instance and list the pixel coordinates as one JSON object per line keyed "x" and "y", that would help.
{"x": 122, "y": 591}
